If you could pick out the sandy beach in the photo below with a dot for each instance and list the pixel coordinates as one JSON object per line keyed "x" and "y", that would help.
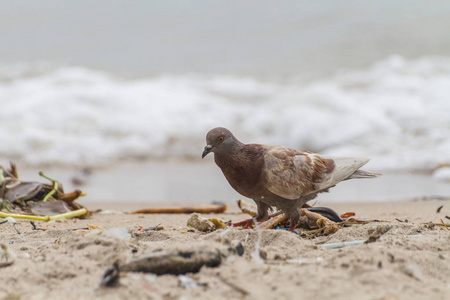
{"x": 409, "y": 259}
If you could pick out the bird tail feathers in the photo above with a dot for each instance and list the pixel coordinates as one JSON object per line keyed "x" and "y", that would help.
{"x": 363, "y": 174}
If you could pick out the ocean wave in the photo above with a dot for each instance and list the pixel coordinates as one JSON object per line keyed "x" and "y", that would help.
{"x": 396, "y": 112}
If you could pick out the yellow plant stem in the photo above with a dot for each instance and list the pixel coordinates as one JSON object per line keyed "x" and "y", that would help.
{"x": 53, "y": 191}
{"x": 70, "y": 214}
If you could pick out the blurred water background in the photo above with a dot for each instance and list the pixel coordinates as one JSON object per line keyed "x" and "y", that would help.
{"x": 107, "y": 84}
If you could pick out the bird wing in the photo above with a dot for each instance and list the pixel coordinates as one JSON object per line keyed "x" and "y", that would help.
{"x": 291, "y": 173}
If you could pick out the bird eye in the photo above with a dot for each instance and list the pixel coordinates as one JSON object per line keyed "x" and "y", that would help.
{"x": 220, "y": 139}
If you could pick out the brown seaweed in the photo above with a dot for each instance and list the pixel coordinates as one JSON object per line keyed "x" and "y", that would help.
{"x": 35, "y": 198}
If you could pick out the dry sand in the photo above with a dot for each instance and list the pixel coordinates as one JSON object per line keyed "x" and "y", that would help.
{"x": 67, "y": 262}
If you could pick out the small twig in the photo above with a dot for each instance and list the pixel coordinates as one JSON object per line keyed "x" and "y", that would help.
{"x": 35, "y": 228}
{"x": 15, "y": 227}
{"x": 445, "y": 225}
{"x": 153, "y": 227}
{"x": 439, "y": 208}
{"x": 94, "y": 227}
{"x": 233, "y": 285}
{"x": 403, "y": 221}
{"x": 75, "y": 229}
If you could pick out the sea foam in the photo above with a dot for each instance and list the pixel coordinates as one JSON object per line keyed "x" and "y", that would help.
{"x": 396, "y": 112}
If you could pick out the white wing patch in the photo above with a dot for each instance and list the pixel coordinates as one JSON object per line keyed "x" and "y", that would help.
{"x": 292, "y": 174}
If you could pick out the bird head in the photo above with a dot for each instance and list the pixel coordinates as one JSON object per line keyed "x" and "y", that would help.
{"x": 219, "y": 140}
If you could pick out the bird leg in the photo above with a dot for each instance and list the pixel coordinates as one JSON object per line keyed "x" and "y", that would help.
{"x": 249, "y": 223}
{"x": 292, "y": 228}
{"x": 294, "y": 218}
{"x": 263, "y": 215}
{"x": 275, "y": 214}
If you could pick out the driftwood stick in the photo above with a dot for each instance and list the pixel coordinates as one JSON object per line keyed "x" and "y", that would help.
{"x": 184, "y": 210}
{"x": 273, "y": 222}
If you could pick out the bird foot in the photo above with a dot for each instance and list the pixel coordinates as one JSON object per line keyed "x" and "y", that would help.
{"x": 292, "y": 228}
{"x": 249, "y": 223}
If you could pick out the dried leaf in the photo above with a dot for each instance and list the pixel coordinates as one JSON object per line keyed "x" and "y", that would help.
{"x": 247, "y": 208}
{"x": 218, "y": 223}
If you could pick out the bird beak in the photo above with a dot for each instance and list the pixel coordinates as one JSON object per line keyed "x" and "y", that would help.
{"x": 207, "y": 150}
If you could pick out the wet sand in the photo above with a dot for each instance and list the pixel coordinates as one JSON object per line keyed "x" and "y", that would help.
{"x": 179, "y": 182}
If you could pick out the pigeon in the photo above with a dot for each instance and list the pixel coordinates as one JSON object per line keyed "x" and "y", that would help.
{"x": 277, "y": 176}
